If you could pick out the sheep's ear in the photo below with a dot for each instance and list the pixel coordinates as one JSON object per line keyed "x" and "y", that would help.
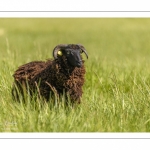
{"x": 59, "y": 53}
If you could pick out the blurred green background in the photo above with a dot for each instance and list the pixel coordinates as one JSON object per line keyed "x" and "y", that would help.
{"x": 109, "y": 38}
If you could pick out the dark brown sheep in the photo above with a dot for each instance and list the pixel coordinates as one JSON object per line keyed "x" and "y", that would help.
{"x": 63, "y": 75}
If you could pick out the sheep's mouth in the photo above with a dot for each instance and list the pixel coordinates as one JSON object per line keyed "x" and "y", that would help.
{"x": 79, "y": 64}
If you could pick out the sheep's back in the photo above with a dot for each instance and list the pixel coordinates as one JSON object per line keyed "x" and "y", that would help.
{"x": 29, "y": 70}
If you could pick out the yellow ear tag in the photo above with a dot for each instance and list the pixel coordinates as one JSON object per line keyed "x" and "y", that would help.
{"x": 59, "y": 53}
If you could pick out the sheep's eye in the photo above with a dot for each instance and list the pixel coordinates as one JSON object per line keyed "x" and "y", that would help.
{"x": 68, "y": 52}
{"x": 81, "y": 51}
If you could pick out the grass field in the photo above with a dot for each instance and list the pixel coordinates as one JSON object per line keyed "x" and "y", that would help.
{"x": 117, "y": 89}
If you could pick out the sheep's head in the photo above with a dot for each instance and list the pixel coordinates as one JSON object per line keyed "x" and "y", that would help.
{"x": 72, "y": 52}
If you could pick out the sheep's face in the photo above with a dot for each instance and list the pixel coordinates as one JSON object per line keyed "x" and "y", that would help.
{"x": 71, "y": 52}
{"x": 74, "y": 57}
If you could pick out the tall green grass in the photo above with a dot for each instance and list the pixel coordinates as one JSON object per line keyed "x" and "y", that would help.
{"x": 117, "y": 89}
